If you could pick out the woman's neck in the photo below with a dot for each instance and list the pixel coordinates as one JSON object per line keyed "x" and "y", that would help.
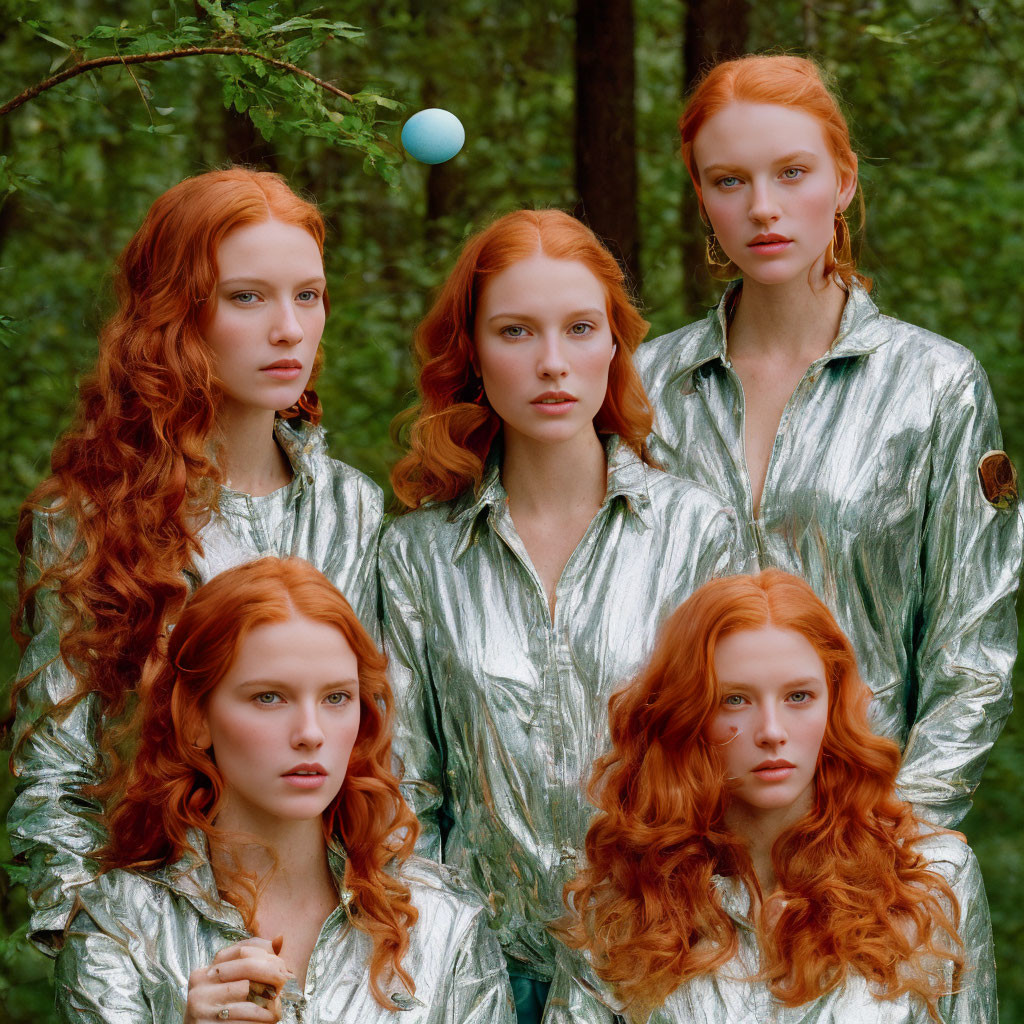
{"x": 297, "y": 892}
{"x": 760, "y": 829}
{"x": 249, "y": 456}
{"x": 294, "y": 853}
{"x": 560, "y": 478}
{"x": 793, "y": 319}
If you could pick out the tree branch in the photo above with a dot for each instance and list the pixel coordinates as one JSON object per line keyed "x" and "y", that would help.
{"x": 145, "y": 58}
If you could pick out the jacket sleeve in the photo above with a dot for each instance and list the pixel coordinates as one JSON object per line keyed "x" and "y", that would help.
{"x": 96, "y": 980}
{"x": 576, "y": 996}
{"x": 371, "y": 517}
{"x": 974, "y": 1000}
{"x": 478, "y": 987}
{"x": 52, "y": 825}
{"x": 966, "y": 640}
{"x": 416, "y": 743}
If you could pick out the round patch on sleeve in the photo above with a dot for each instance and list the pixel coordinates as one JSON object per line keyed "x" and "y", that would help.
{"x": 998, "y": 479}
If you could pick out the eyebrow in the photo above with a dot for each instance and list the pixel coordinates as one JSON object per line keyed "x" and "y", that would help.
{"x": 593, "y": 312}
{"x": 800, "y": 154}
{"x": 803, "y": 681}
{"x": 234, "y": 282}
{"x": 271, "y": 683}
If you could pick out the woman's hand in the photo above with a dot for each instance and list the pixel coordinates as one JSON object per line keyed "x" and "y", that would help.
{"x": 221, "y": 991}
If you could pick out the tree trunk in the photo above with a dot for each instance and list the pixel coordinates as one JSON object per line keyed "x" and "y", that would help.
{"x": 606, "y": 172}
{"x": 243, "y": 144}
{"x": 713, "y": 30}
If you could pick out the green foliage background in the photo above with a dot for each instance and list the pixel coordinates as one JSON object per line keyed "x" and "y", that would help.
{"x": 936, "y": 102}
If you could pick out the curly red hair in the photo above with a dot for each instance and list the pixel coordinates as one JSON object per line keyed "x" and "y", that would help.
{"x": 134, "y": 476}
{"x": 855, "y": 896}
{"x": 452, "y": 431}
{"x": 787, "y": 82}
{"x": 174, "y": 786}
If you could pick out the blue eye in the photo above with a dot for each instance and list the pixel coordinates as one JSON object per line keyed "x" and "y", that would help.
{"x": 307, "y": 296}
{"x": 245, "y": 298}
{"x": 728, "y": 181}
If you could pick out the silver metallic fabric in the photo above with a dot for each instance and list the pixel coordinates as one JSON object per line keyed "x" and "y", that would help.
{"x": 729, "y": 996}
{"x": 873, "y": 495}
{"x": 137, "y": 937}
{"x": 501, "y": 710}
{"x": 329, "y": 514}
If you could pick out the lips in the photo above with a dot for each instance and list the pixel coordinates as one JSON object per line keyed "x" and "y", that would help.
{"x": 283, "y": 369}
{"x": 774, "y": 771}
{"x": 774, "y": 764}
{"x": 769, "y": 243}
{"x": 553, "y": 397}
{"x": 554, "y": 403}
{"x": 307, "y": 769}
{"x": 306, "y": 776}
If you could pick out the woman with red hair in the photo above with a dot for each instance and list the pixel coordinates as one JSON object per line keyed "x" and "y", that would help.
{"x": 195, "y": 447}
{"x": 261, "y": 803}
{"x": 860, "y": 452}
{"x": 540, "y": 552}
{"x": 750, "y": 861}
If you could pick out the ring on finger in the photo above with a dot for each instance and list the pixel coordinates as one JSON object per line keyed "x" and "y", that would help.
{"x": 224, "y": 1013}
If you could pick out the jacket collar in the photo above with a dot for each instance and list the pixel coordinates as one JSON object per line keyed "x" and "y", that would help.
{"x": 627, "y": 479}
{"x": 191, "y": 876}
{"x": 303, "y": 444}
{"x": 858, "y": 331}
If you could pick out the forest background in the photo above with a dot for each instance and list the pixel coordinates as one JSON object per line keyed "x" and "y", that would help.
{"x": 565, "y": 104}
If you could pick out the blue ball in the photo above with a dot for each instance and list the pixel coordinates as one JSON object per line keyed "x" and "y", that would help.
{"x": 433, "y": 135}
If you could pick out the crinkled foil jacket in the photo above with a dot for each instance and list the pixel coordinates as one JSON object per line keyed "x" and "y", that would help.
{"x": 329, "y": 515}
{"x": 503, "y": 710}
{"x": 137, "y": 938}
{"x": 872, "y": 495}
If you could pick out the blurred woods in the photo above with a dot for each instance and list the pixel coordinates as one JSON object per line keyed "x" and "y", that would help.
{"x": 564, "y": 105}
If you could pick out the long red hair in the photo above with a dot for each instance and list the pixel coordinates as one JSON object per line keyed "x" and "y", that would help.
{"x": 853, "y": 894}
{"x": 452, "y": 426}
{"x": 174, "y": 786}
{"x": 135, "y": 475}
{"x": 786, "y": 82}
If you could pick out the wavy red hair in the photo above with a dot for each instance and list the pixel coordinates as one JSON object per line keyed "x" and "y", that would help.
{"x": 174, "y": 786}
{"x": 852, "y": 889}
{"x": 452, "y": 429}
{"x": 786, "y": 82}
{"x": 135, "y": 474}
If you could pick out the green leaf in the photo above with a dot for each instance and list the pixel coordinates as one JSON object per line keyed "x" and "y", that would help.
{"x": 378, "y": 100}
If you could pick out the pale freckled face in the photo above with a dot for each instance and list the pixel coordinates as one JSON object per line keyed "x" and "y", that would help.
{"x": 771, "y": 189}
{"x": 771, "y": 717}
{"x": 283, "y": 720}
{"x": 544, "y": 346}
{"x": 268, "y": 309}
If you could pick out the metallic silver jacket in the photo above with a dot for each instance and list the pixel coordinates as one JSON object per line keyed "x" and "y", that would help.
{"x": 501, "y": 710}
{"x": 728, "y": 997}
{"x": 330, "y": 515}
{"x": 137, "y": 937}
{"x": 873, "y": 495}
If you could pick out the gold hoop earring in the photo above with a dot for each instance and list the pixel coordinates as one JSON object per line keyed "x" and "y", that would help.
{"x": 839, "y": 252}
{"x": 713, "y": 256}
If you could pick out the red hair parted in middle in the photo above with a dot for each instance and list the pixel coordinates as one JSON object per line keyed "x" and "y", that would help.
{"x": 453, "y": 426}
{"x": 175, "y": 786}
{"x": 853, "y": 895}
{"x": 134, "y": 478}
